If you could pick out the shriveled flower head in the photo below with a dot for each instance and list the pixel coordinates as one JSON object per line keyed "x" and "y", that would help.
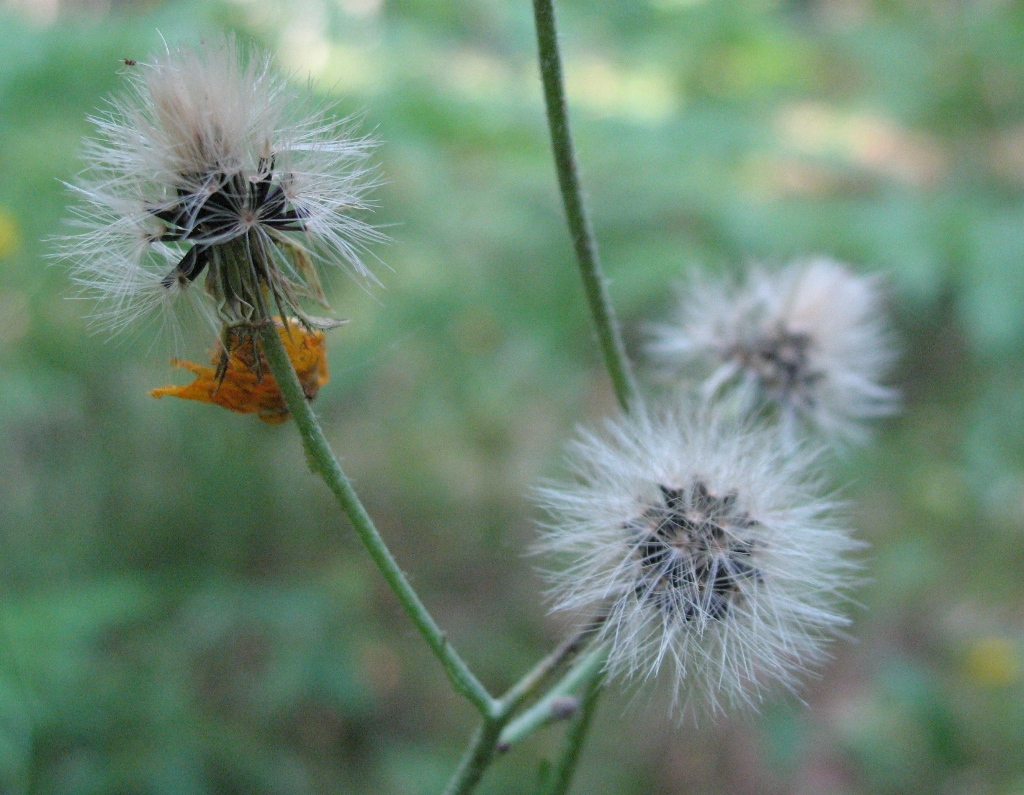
{"x": 709, "y": 550}
{"x": 211, "y": 163}
{"x": 809, "y": 341}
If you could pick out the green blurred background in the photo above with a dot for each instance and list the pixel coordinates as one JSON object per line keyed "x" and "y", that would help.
{"x": 183, "y": 611}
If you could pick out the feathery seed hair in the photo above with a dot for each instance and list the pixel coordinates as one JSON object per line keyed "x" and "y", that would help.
{"x": 708, "y": 547}
{"x": 808, "y": 341}
{"x": 210, "y": 162}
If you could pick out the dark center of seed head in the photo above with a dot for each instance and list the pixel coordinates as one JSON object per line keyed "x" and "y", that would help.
{"x": 695, "y": 550}
{"x": 228, "y": 205}
{"x": 781, "y": 360}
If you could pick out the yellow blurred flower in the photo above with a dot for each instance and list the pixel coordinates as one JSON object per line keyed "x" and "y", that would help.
{"x": 10, "y": 235}
{"x": 993, "y": 662}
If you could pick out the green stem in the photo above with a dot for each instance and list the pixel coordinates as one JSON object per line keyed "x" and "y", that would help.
{"x": 534, "y": 678}
{"x": 616, "y": 361}
{"x": 490, "y": 737}
{"x": 574, "y": 737}
{"x": 496, "y": 713}
{"x": 478, "y": 757}
{"x": 546, "y": 710}
{"x": 580, "y": 229}
{"x": 323, "y": 463}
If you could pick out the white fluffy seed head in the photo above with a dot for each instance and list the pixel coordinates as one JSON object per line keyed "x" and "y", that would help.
{"x": 809, "y": 341}
{"x": 208, "y": 146}
{"x": 708, "y": 547}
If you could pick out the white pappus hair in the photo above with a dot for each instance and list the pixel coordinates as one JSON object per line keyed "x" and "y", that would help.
{"x": 708, "y": 548}
{"x": 206, "y": 148}
{"x": 809, "y": 341}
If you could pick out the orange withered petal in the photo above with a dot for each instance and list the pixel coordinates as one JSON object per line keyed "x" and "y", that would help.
{"x": 249, "y": 387}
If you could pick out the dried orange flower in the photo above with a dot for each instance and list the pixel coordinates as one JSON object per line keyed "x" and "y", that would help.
{"x": 247, "y": 385}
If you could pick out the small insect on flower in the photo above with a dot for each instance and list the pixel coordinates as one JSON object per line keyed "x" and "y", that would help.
{"x": 242, "y": 382}
{"x": 211, "y": 163}
{"x": 809, "y": 342}
{"x": 707, "y": 547}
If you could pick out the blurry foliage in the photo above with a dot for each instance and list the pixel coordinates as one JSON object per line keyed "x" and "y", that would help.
{"x": 183, "y": 609}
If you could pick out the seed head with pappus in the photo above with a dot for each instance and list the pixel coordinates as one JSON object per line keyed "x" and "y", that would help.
{"x": 211, "y": 165}
{"x": 706, "y": 547}
{"x": 808, "y": 343}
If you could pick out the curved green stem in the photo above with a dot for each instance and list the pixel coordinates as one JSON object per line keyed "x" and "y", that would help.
{"x": 585, "y": 245}
{"x": 496, "y": 712}
{"x": 562, "y": 774}
{"x": 323, "y": 463}
{"x": 619, "y": 369}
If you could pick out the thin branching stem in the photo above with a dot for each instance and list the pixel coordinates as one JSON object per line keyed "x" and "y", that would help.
{"x": 572, "y": 745}
{"x": 531, "y": 682}
{"x": 576, "y": 217}
{"x": 497, "y": 734}
{"x": 588, "y": 671}
{"x": 546, "y": 710}
{"x": 490, "y": 736}
{"x": 323, "y": 463}
{"x": 496, "y": 712}
{"x": 478, "y": 756}
{"x": 619, "y": 369}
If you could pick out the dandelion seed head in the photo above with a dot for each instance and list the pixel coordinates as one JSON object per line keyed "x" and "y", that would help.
{"x": 209, "y": 164}
{"x": 709, "y": 548}
{"x": 809, "y": 341}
